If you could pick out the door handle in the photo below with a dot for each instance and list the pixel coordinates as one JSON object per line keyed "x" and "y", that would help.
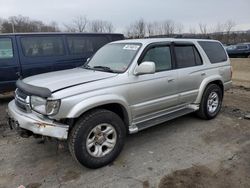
{"x": 171, "y": 80}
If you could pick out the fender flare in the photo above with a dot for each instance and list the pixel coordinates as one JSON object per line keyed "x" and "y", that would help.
{"x": 96, "y": 101}
{"x": 204, "y": 84}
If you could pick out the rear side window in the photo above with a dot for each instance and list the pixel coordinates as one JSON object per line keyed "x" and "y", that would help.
{"x": 161, "y": 56}
{"x": 242, "y": 47}
{"x": 187, "y": 56}
{"x": 6, "y": 49}
{"x": 214, "y": 51}
{"x": 79, "y": 45}
{"x": 42, "y": 46}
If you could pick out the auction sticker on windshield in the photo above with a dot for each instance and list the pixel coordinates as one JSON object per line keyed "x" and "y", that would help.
{"x": 131, "y": 47}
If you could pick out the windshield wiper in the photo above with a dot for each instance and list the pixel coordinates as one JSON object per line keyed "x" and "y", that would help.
{"x": 86, "y": 66}
{"x": 108, "y": 69}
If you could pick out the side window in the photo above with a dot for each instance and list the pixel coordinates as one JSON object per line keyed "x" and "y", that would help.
{"x": 42, "y": 46}
{"x": 214, "y": 51}
{"x": 185, "y": 56}
{"x": 79, "y": 45}
{"x": 6, "y": 49}
{"x": 161, "y": 56}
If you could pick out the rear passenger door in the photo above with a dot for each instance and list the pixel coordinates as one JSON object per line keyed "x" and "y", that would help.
{"x": 190, "y": 71}
{"x": 9, "y": 64}
{"x": 82, "y": 47}
{"x": 40, "y": 52}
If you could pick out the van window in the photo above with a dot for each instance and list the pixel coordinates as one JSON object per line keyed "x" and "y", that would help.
{"x": 185, "y": 56}
{"x": 161, "y": 56}
{"x": 6, "y": 49}
{"x": 42, "y": 46}
{"x": 79, "y": 45}
{"x": 214, "y": 51}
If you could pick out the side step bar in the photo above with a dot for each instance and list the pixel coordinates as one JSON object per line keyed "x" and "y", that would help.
{"x": 152, "y": 122}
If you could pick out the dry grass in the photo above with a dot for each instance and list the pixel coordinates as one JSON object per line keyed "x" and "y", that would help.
{"x": 241, "y": 71}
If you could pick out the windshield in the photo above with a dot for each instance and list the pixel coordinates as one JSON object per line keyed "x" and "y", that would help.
{"x": 114, "y": 57}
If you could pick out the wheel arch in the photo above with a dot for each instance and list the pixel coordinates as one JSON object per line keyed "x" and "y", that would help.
{"x": 214, "y": 80}
{"x": 108, "y": 102}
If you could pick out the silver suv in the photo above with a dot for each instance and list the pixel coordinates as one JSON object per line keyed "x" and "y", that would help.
{"x": 127, "y": 86}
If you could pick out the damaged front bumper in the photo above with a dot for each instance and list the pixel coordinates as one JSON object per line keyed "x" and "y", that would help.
{"x": 35, "y": 124}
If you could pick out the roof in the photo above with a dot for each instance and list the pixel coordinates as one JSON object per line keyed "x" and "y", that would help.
{"x": 58, "y": 33}
{"x": 153, "y": 40}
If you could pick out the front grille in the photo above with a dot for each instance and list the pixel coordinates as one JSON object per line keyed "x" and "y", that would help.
{"x": 22, "y": 100}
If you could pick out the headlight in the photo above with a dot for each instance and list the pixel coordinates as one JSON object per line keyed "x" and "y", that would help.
{"x": 43, "y": 106}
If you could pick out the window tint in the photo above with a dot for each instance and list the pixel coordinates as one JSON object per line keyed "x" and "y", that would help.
{"x": 214, "y": 51}
{"x": 42, "y": 46}
{"x": 161, "y": 56}
{"x": 242, "y": 47}
{"x": 6, "y": 50}
{"x": 185, "y": 56}
{"x": 79, "y": 45}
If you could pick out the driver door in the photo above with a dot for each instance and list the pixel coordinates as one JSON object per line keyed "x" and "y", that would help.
{"x": 154, "y": 94}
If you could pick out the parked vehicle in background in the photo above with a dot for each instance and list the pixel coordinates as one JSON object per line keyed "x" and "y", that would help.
{"x": 126, "y": 87}
{"x": 239, "y": 50}
{"x": 23, "y": 55}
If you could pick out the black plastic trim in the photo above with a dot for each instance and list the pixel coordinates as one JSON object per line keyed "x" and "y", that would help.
{"x": 33, "y": 90}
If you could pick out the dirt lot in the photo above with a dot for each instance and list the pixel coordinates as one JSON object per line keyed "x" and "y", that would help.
{"x": 185, "y": 152}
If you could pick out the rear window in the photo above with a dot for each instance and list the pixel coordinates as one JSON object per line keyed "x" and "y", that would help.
{"x": 214, "y": 51}
{"x": 6, "y": 50}
{"x": 42, "y": 46}
{"x": 79, "y": 45}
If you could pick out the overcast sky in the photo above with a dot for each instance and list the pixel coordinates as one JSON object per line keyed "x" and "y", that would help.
{"x": 122, "y": 12}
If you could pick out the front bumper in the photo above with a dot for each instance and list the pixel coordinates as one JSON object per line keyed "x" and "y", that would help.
{"x": 37, "y": 125}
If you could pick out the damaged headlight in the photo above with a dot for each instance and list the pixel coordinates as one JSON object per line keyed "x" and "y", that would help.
{"x": 43, "y": 106}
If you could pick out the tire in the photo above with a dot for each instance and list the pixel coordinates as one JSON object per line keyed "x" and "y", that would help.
{"x": 208, "y": 109}
{"x": 104, "y": 131}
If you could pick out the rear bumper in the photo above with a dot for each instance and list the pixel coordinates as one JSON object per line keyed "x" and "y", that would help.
{"x": 37, "y": 125}
{"x": 228, "y": 85}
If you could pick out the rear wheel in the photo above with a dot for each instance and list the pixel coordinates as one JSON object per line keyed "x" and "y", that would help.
{"x": 97, "y": 138}
{"x": 211, "y": 102}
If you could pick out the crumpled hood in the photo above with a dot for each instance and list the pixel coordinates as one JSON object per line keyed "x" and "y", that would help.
{"x": 66, "y": 78}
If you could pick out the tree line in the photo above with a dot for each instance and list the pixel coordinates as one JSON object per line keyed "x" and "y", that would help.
{"x": 22, "y": 24}
{"x": 137, "y": 29}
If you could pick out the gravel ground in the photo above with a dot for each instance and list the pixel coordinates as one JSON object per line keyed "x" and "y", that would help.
{"x": 185, "y": 152}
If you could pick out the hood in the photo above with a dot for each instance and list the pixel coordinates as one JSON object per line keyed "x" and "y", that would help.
{"x": 67, "y": 78}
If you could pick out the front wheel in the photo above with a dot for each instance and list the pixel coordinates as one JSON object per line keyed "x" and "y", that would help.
{"x": 97, "y": 138}
{"x": 211, "y": 102}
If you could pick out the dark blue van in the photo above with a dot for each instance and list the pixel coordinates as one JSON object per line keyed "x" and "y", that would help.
{"x": 23, "y": 55}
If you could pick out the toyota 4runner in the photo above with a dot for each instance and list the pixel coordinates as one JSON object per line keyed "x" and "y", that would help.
{"x": 127, "y": 86}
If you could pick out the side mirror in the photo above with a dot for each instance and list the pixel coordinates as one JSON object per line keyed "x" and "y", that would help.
{"x": 146, "y": 67}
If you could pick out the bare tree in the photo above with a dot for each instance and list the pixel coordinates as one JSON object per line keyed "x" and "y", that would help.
{"x": 100, "y": 26}
{"x": 168, "y": 27}
{"x": 79, "y": 24}
{"x": 137, "y": 29}
{"x": 203, "y": 28}
{"x": 179, "y": 27}
{"x": 228, "y": 28}
{"x": 229, "y": 25}
{"x": 17, "y": 24}
{"x": 192, "y": 30}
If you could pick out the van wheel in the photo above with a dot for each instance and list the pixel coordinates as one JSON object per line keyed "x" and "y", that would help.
{"x": 211, "y": 102}
{"x": 97, "y": 138}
